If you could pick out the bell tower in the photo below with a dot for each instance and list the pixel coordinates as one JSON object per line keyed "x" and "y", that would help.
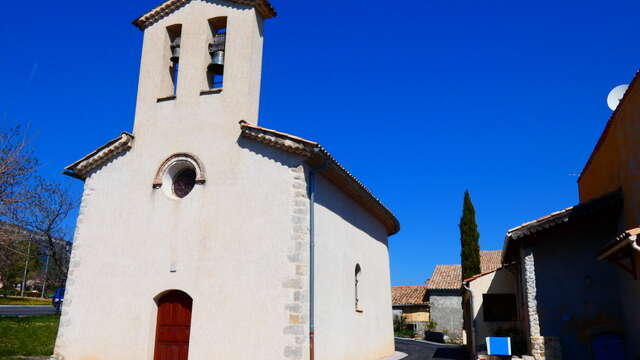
{"x": 201, "y": 66}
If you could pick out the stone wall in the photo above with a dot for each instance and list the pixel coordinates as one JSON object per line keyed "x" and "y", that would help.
{"x": 569, "y": 296}
{"x": 536, "y": 342}
{"x": 541, "y": 347}
{"x": 446, "y": 312}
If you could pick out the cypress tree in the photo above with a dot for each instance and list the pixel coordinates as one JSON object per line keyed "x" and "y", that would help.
{"x": 469, "y": 239}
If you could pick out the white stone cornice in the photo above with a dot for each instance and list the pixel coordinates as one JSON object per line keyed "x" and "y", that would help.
{"x": 96, "y": 159}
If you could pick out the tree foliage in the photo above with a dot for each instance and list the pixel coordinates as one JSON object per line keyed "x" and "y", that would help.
{"x": 469, "y": 239}
{"x": 17, "y": 165}
{"x": 33, "y": 211}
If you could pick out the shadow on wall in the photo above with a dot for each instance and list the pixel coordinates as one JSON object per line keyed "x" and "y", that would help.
{"x": 346, "y": 208}
{"x": 335, "y": 200}
{"x": 503, "y": 283}
{"x": 269, "y": 152}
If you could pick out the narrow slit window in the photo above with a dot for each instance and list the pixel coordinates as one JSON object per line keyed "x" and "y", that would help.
{"x": 217, "y": 52}
{"x": 175, "y": 37}
{"x": 357, "y": 287}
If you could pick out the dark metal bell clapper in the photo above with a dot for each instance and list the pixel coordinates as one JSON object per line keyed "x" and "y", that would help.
{"x": 216, "y": 50}
{"x": 217, "y": 62}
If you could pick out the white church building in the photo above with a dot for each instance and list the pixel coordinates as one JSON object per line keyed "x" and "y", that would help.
{"x": 202, "y": 235}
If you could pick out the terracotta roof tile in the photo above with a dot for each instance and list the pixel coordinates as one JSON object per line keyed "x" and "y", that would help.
{"x": 628, "y": 237}
{"x": 410, "y": 295}
{"x": 490, "y": 260}
{"x": 606, "y": 202}
{"x": 82, "y": 168}
{"x": 446, "y": 277}
{"x": 478, "y": 276}
{"x": 449, "y": 277}
{"x": 264, "y": 8}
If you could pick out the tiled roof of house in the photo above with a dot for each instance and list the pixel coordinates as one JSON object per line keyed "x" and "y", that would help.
{"x": 409, "y": 295}
{"x": 264, "y": 8}
{"x": 449, "y": 277}
{"x": 490, "y": 260}
{"x": 318, "y": 157}
{"x": 446, "y": 277}
{"x": 612, "y": 200}
{"x": 476, "y": 276}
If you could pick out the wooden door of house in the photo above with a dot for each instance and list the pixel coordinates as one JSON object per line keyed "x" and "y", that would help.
{"x": 173, "y": 326}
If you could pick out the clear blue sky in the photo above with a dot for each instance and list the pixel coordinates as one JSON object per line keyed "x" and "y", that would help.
{"x": 419, "y": 99}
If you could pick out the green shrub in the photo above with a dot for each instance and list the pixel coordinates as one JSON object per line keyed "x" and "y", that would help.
{"x": 432, "y": 325}
{"x": 401, "y": 328}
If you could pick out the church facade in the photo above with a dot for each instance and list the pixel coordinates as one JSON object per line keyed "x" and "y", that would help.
{"x": 202, "y": 235}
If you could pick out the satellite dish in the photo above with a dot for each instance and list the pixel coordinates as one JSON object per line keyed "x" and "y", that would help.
{"x": 616, "y": 95}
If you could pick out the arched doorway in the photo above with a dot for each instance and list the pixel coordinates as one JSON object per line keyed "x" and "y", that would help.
{"x": 173, "y": 326}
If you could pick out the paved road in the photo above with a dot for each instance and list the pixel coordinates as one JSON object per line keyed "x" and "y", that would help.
{"x": 418, "y": 350}
{"x": 23, "y": 310}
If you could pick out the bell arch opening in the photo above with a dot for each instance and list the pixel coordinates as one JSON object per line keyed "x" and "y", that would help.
{"x": 217, "y": 52}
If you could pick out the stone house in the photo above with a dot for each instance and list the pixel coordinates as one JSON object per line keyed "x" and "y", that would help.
{"x": 411, "y": 303}
{"x": 199, "y": 212}
{"x": 576, "y": 269}
{"x": 615, "y": 165}
{"x": 445, "y": 294}
{"x": 565, "y": 295}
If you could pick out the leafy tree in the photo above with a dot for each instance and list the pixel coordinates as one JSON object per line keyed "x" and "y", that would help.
{"x": 469, "y": 239}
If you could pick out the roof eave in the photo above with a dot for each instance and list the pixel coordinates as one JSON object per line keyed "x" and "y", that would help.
{"x": 477, "y": 276}
{"x": 627, "y": 238}
{"x": 554, "y": 219}
{"x": 95, "y": 159}
{"x": 315, "y": 155}
{"x": 263, "y": 7}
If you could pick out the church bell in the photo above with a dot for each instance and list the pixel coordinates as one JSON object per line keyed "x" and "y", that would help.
{"x": 175, "y": 49}
{"x": 216, "y": 50}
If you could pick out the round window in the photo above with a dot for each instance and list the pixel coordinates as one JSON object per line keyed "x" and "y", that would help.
{"x": 179, "y": 178}
{"x": 184, "y": 182}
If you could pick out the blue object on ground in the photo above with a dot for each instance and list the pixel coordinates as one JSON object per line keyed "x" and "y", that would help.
{"x": 57, "y": 300}
{"x": 500, "y": 346}
{"x": 59, "y": 295}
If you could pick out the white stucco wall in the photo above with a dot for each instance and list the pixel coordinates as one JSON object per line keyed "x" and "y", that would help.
{"x": 499, "y": 282}
{"x": 229, "y": 246}
{"x": 240, "y": 97}
{"x": 347, "y": 235}
{"x": 238, "y": 242}
{"x": 229, "y": 239}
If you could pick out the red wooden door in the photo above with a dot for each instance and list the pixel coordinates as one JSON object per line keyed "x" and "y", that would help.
{"x": 173, "y": 326}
